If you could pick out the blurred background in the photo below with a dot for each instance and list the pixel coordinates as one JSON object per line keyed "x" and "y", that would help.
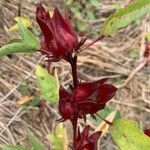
{"x": 117, "y": 57}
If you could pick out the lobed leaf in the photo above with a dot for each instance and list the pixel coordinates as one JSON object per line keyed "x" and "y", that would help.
{"x": 128, "y": 136}
{"x": 27, "y": 44}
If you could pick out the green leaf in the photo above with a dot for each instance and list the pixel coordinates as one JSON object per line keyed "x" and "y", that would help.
{"x": 36, "y": 145}
{"x": 16, "y": 48}
{"x": 47, "y": 84}
{"x": 90, "y": 15}
{"x": 134, "y": 54}
{"x": 59, "y": 139}
{"x": 76, "y": 12}
{"x": 27, "y": 36}
{"x": 9, "y": 147}
{"x": 125, "y": 16}
{"x": 104, "y": 113}
{"x": 128, "y": 136}
{"x": 95, "y": 3}
{"x": 27, "y": 44}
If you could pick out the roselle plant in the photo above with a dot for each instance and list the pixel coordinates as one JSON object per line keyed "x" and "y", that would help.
{"x": 60, "y": 41}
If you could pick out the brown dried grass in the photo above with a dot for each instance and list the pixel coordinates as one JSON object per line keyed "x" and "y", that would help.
{"x": 107, "y": 58}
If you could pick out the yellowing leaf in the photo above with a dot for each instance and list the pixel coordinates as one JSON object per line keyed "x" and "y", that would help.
{"x": 24, "y": 100}
{"x": 148, "y": 36}
{"x": 26, "y": 22}
{"x": 59, "y": 139}
{"x": 103, "y": 126}
{"x": 128, "y": 136}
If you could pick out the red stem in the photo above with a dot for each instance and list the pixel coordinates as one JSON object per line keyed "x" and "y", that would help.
{"x": 94, "y": 41}
{"x": 73, "y": 62}
{"x": 74, "y": 71}
{"x": 49, "y": 67}
{"x": 108, "y": 122}
{"x": 74, "y": 124}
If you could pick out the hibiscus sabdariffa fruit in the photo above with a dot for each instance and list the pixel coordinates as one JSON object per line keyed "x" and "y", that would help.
{"x": 86, "y": 98}
{"x": 59, "y": 38}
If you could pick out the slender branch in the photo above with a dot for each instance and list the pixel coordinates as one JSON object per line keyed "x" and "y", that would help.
{"x": 108, "y": 122}
{"x": 94, "y": 41}
{"x": 73, "y": 62}
{"x": 19, "y": 8}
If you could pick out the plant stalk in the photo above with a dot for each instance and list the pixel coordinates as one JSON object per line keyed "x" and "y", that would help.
{"x": 73, "y": 62}
{"x": 74, "y": 124}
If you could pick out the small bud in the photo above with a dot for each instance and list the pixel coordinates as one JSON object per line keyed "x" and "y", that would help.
{"x": 85, "y": 141}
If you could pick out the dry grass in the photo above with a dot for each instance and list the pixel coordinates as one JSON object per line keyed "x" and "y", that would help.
{"x": 110, "y": 58}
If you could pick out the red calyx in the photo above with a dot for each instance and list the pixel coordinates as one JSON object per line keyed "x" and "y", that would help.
{"x": 59, "y": 36}
{"x": 85, "y": 141}
{"x": 86, "y": 98}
